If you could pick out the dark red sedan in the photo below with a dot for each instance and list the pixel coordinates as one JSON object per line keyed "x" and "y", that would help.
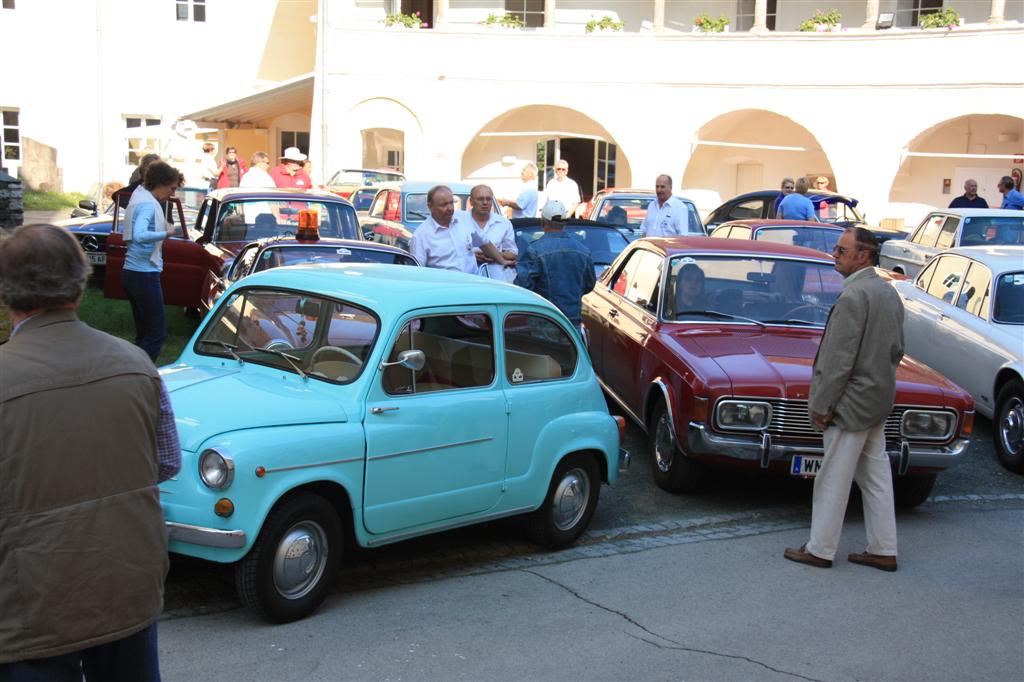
{"x": 708, "y": 345}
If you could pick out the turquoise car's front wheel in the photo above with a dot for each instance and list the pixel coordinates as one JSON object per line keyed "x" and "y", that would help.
{"x": 569, "y": 504}
{"x": 289, "y": 569}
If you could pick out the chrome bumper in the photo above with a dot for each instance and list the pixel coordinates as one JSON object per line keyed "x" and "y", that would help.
{"x": 624, "y": 459}
{"x": 700, "y": 441}
{"x": 208, "y": 537}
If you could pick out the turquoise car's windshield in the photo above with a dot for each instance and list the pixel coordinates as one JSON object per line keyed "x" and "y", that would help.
{"x": 765, "y": 290}
{"x": 293, "y": 332}
{"x": 246, "y": 221}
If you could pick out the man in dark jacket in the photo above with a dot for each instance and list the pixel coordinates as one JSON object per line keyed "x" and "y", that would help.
{"x": 557, "y": 266}
{"x": 83, "y": 545}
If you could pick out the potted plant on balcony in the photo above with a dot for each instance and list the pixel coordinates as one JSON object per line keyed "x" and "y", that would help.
{"x": 605, "y": 23}
{"x": 505, "y": 21}
{"x": 947, "y": 19}
{"x": 401, "y": 20}
{"x": 822, "y": 22}
{"x": 705, "y": 24}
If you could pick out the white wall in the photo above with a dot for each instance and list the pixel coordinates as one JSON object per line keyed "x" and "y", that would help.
{"x": 102, "y": 59}
{"x": 880, "y": 91}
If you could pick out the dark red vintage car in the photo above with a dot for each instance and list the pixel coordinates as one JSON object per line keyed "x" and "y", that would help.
{"x": 708, "y": 345}
{"x": 196, "y": 262}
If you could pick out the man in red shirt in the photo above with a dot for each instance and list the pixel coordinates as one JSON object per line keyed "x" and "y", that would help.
{"x": 289, "y": 172}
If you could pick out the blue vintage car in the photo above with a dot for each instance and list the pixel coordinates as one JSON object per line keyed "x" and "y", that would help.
{"x": 379, "y": 402}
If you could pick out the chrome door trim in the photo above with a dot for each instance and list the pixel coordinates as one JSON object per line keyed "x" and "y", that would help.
{"x": 431, "y": 448}
{"x": 372, "y": 542}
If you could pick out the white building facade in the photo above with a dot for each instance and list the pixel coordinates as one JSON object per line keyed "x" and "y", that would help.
{"x": 898, "y": 115}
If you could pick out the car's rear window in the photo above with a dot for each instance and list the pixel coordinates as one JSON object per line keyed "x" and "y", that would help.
{"x": 325, "y": 253}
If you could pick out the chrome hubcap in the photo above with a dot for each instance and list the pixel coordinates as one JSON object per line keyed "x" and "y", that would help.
{"x": 664, "y": 448}
{"x": 570, "y": 500}
{"x": 300, "y": 559}
{"x": 1011, "y": 427}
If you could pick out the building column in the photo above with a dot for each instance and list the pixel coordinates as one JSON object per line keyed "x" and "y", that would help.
{"x": 760, "y": 17}
{"x": 996, "y": 16}
{"x": 870, "y": 15}
{"x": 659, "y": 16}
{"x": 549, "y": 13}
{"x": 440, "y": 13}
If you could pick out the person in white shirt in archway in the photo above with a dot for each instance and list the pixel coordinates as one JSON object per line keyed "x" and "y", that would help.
{"x": 446, "y": 239}
{"x": 666, "y": 215}
{"x": 563, "y": 188}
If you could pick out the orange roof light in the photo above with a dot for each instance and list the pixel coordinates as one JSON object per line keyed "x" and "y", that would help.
{"x": 309, "y": 225}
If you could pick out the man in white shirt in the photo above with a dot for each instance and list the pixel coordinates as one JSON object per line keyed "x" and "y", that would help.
{"x": 446, "y": 240}
{"x": 563, "y": 188}
{"x": 525, "y": 205}
{"x": 666, "y": 215}
{"x": 496, "y": 229}
{"x": 257, "y": 177}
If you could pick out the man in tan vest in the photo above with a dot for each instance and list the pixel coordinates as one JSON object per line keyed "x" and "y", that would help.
{"x": 853, "y": 385}
{"x": 87, "y": 433}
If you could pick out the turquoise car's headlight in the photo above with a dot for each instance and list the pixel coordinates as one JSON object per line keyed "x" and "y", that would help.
{"x": 743, "y": 415}
{"x": 216, "y": 469}
{"x": 927, "y": 425}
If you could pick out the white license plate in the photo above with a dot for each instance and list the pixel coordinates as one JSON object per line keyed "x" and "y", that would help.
{"x": 97, "y": 258}
{"x": 806, "y": 466}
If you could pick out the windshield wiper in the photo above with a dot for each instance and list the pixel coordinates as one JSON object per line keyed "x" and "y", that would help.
{"x": 230, "y": 348}
{"x": 792, "y": 321}
{"x": 292, "y": 360}
{"x": 719, "y": 315}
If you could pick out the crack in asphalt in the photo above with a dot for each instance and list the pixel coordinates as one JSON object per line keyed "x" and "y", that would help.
{"x": 676, "y": 646}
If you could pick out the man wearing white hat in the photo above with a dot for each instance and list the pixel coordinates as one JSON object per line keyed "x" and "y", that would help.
{"x": 557, "y": 266}
{"x": 289, "y": 172}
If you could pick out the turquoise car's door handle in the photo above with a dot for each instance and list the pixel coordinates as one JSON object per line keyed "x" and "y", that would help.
{"x": 380, "y": 410}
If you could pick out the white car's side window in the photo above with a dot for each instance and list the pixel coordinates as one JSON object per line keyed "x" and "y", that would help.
{"x": 947, "y": 276}
{"x": 974, "y": 296}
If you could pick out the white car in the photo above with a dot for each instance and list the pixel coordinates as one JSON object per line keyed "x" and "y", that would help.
{"x": 948, "y": 229}
{"x": 965, "y": 319}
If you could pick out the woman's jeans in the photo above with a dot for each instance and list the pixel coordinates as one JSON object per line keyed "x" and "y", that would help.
{"x": 147, "y": 299}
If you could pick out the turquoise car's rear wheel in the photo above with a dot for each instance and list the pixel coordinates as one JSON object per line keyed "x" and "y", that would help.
{"x": 290, "y": 568}
{"x": 569, "y": 504}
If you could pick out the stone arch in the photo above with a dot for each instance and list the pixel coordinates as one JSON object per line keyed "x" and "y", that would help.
{"x": 499, "y": 149}
{"x": 753, "y": 149}
{"x": 970, "y": 146}
{"x": 377, "y": 125}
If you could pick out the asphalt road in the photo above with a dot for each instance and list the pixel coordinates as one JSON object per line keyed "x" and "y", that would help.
{"x": 632, "y": 513}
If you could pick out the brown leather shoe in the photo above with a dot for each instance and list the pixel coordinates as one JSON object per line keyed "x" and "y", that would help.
{"x": 802, "y": 556}
{"x": 879, "y": 561}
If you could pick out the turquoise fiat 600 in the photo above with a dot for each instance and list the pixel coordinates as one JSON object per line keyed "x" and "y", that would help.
{"x": 377, "y": 402}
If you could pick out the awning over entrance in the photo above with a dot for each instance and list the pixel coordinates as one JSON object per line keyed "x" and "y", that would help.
{"x": 293, "y": 95}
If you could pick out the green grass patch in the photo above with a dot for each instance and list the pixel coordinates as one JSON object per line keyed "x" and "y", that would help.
{"x": 114, "y": 316}
{"x": 51, "y": 201}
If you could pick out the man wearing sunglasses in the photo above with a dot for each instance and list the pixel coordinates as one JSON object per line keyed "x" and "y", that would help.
{"x": 563, "y": 189}
{"x": 853, "y": 385}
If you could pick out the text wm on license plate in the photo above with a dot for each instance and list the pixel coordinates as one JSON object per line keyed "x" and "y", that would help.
{"x": 805, "y": 465}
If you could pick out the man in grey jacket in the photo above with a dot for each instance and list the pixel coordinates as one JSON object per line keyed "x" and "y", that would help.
{"x": 852, "y": 391}
{"x": 83, "y": 546}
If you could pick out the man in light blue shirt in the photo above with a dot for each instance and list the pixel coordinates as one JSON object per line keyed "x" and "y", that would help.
{"x": 525, "y": 205}
{"x": 446, "y": 239}
{"x": 1012, "y": 199}
{"x": 797, "y": 206}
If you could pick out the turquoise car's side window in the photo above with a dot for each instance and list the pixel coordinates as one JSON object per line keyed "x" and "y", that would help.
{"x": 459, "y": 353}
{"x": 537, "y": 349}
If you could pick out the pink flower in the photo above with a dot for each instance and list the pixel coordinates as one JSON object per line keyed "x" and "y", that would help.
{"x": 424, "y": 25}
{"x": 416, "y": 13}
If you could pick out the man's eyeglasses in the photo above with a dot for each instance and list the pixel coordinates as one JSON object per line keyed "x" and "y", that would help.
{"x": 561, "y": 170}
{"x": 842, "y": 250}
